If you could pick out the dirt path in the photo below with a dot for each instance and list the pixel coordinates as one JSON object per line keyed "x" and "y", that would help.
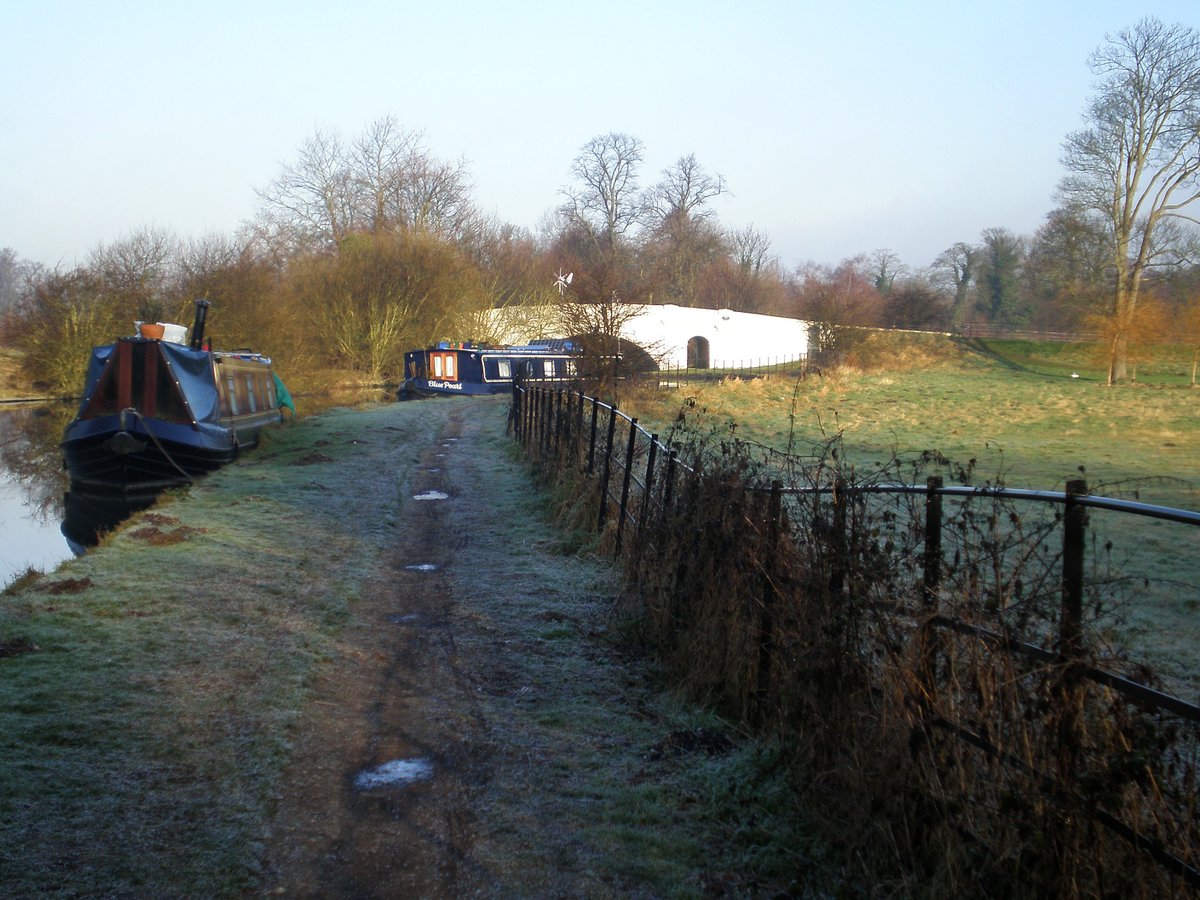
{"x": 533, "y": 757}
{"x": 395, "y": 697}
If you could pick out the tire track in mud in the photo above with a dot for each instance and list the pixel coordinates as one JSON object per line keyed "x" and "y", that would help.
{"x": 375, "y": 800}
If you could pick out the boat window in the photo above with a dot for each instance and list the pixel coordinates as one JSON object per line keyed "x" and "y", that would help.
{"x": 251, "y": 399}
{"x": 233, "y": 403}
{"x": 571, "y": 370}
{"x": 548, "y": 367}
{"x": 504, "y": 368}
{"x": 271, "y": 401}
{"x": 444, "y": 366}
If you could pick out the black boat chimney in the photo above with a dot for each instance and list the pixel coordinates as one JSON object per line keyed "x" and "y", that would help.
{"x": 198, "y": 326}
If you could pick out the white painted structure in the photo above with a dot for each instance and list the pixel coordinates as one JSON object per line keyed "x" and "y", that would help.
{"x": 680, "y": 336}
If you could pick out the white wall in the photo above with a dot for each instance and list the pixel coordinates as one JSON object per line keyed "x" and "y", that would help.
{"x": 734, "y": 338}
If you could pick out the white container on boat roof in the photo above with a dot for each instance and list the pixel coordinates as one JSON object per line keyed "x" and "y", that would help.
{"x": 176, "y": 334}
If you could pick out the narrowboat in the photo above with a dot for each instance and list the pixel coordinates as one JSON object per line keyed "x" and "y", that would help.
{"x": 157, "y": 412}
{"x": 471, "y": 369}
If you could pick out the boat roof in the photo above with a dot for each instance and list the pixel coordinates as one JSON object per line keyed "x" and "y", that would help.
{"x": 548, "y": 345}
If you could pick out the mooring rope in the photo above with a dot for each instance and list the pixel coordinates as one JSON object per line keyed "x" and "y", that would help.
{"x": 158, "y": 444}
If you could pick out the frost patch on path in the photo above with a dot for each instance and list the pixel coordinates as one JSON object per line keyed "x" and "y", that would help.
{"x": 432, "y": 495}
{"x": 423, "y": 567}
{"x": 396, "y": 773}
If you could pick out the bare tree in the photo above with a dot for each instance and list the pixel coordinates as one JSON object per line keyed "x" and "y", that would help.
{"x": 683, "y": 239}
{"x": 13, "y": 274}
{"x": 751, "y": 250}
{"x": 887, "y": 267}
{"x": 311, "y": 204}
{"x": 384, "y": 180}
{"x": 1135, "y": 163}
{"x": 140, "y": 272}
{"x": 605, "y": 202}
{"x": 957, "y": 265}
{"x": 680, "y": 200}
{"x": 381, "y": 157}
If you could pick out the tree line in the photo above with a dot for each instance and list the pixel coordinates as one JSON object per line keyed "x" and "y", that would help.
{"x": 364, "y": 247}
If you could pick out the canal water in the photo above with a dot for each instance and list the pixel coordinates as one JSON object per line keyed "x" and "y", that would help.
{"x": 32, "y": 485}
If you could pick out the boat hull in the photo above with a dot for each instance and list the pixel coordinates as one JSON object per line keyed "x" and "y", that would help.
{"x": 157, "y": 414}
{"x": 108, "y": 454}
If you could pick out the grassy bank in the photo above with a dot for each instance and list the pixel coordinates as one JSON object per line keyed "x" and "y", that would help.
{"x": 146, "y": 689}
{"x": 1018, "y": 417}
{"x": 151, "y": 692}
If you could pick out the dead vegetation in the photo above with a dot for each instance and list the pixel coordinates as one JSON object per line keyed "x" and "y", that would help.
{"x": 951, "y": 742}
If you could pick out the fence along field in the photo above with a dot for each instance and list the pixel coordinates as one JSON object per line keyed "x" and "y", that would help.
{"x": 933, "y": 655}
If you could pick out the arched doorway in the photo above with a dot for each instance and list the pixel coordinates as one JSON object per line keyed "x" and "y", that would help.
{"x": 697, "y": 353}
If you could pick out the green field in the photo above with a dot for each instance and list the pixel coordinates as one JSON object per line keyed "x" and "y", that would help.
{"x": 1015, "y": 409}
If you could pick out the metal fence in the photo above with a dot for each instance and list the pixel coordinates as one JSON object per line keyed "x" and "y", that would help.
{"x": 637, "y": 477}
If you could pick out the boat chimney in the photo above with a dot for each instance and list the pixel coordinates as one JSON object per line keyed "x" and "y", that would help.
{"x": 198, "y": 326}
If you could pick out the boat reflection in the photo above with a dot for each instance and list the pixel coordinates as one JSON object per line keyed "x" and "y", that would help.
{"x": 88, "y": 515}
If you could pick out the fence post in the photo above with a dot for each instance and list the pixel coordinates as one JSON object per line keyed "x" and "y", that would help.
{"x": 669, "y": 480}
{"x": 514, "y": 414}
{"x": 933, "y": 542}
{"x": 531, "y": 409}
{"x": 837, "y": 574}
{"x": 647, "y": 494}
{"x": 535, "y": 421}
{"x": 625, "y": 484}
{"x": 554, "y": 407}
{"x": 608, "y": 449}
{"x": 592, "y": 443}
{"x": 1074, "y": 528}
{"x": 1070, "y": 687}
{"x": 766, "y": 626}
{"x": 930, "y": 583}
{"x": 578, "y": 429}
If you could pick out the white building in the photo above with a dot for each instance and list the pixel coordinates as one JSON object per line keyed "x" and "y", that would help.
{"x": 682, "y": 336}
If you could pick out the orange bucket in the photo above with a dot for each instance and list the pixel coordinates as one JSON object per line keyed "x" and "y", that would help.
{"x": 151, "y": 330}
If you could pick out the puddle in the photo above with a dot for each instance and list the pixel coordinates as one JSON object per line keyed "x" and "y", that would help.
{"x": 423, "y": 567}
{"x": 401, "y": 619}
{"x": 432, "y": 495}
{"x": 396, "y": 773}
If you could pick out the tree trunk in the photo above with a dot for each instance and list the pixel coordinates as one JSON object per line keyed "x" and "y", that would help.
{"x": 1118, "y": 366}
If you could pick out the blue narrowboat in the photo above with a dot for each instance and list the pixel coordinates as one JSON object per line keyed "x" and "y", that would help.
{"x": 157, "y": 412}
{"x": 468, "y": 368}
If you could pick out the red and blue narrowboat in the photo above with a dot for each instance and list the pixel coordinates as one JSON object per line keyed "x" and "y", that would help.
{"x": 157, "y": 412}
{"x": 471, "y": 369}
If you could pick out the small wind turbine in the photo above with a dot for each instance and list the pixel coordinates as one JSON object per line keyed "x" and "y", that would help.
{"x": 563, "y": 281}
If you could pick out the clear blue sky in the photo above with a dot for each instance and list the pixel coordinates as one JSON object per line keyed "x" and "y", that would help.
{"x": 840, "y": 128}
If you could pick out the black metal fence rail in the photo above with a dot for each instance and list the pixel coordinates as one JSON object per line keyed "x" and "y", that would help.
{"x": 668, "y": 375}
{"x": 637, "y": 479}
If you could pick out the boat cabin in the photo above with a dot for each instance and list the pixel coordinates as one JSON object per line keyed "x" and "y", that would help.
{"x": 470, "y": 368}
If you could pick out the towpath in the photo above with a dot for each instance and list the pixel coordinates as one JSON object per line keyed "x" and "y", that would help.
{"x": 476, "y": 733}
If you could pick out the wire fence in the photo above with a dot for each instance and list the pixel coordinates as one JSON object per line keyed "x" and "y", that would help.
{"x": 961, "y": 627}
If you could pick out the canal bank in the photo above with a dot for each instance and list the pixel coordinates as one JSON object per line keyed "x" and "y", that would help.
{"x": 360, "y": 661}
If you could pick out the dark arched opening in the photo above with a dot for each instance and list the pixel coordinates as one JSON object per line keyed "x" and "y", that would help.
{"x": 697, "y": 353}
{"x": 598, "y": 355}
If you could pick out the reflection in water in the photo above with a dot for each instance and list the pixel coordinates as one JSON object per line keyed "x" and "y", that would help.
{"x": 87, "y": 515}
{"x": 32, "y": 481}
